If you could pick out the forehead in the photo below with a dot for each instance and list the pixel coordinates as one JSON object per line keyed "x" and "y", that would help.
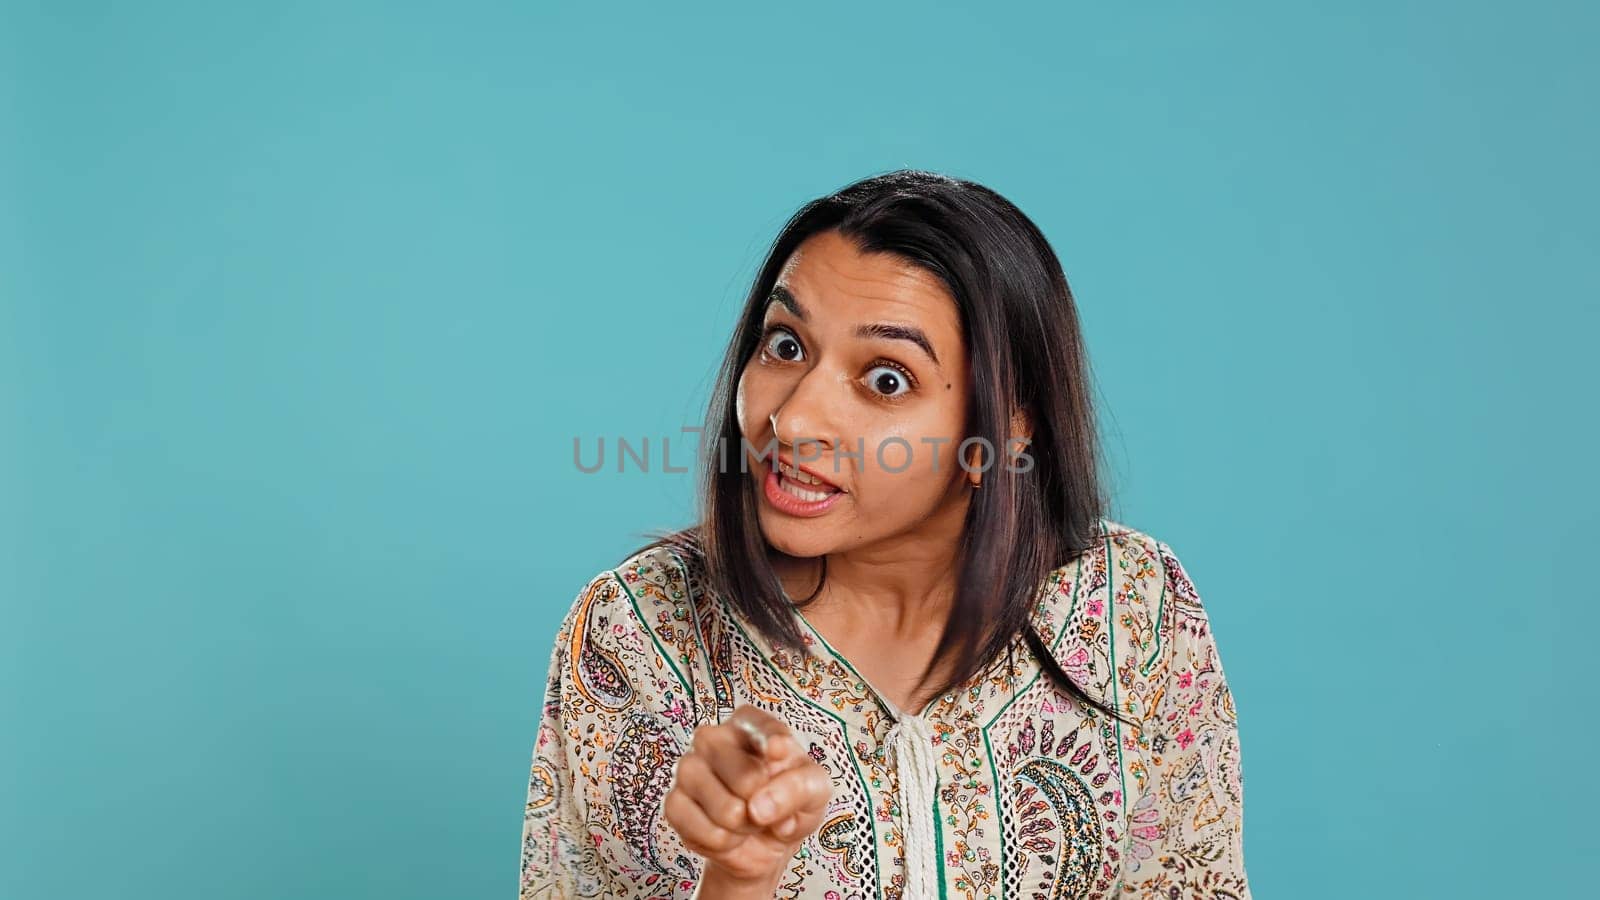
{"x": 832, "y": 279}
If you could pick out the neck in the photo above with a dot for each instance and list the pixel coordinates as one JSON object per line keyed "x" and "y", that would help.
{"x": 901, "y": 587}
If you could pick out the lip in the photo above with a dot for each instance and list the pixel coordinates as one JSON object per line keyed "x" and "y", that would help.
{"x": 808, "y": 470}
{"x": 789, "y": 504}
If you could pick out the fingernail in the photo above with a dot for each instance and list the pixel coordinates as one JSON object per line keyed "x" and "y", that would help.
{"x": 761, "y": 807}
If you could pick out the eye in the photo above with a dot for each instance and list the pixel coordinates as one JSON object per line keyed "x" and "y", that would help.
{"x": 780, "y": 343}
{"x": 889, "y": 380}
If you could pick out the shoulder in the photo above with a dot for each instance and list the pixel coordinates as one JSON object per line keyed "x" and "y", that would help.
{"x": 647, "y": 586}
{"x": 1113, "y": 613}
{"x": 634, "y": 622}
{"x": 655, "y": 578}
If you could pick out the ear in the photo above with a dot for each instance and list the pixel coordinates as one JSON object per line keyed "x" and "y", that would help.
{"x": 1021, "y": 425}
{"x": 974, "y": 459}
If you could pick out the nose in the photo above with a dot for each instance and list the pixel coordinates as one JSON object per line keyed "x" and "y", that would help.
{"x": 806, "y": 415}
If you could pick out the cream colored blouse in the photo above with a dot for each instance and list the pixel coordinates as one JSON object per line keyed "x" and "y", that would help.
{"x": 1004, "y": 788}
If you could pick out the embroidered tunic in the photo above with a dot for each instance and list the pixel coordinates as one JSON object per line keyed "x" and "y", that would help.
{"x": 1006, "y": 787}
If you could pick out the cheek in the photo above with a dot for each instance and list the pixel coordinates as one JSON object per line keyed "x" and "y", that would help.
{"x": 738, "y": 402}
{"x": 896, "y": 455}
{"x": 907, "y": 466}
{"x": 747, "y": 402}
{"x": 920, "y": 449}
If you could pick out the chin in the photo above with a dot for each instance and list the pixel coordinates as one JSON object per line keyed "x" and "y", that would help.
{"x": 796, "y": 538}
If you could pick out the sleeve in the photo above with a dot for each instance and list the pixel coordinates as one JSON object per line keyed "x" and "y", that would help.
{"x": 614, "y": 722}
{"x": 553, "y": 857}
{"x": 1187, "y": 827}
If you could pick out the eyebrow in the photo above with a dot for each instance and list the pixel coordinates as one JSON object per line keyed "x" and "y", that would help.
{"x": 882, "y": 330}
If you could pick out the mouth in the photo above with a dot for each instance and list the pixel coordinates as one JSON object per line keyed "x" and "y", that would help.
{"x": 802, "y": 477}
{"x": 798, "y": 492}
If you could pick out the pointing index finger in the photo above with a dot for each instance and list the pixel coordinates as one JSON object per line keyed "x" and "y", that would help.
{"x": 767, "y": 738}
{"x": 755, "y": 740}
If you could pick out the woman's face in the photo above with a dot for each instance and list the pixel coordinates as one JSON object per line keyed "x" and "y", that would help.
{"x": 863, "y": 365}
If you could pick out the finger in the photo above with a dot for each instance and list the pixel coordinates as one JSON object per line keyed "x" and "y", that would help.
{"x": 788, "y": 829}
{"x": 752, "y": 738}
{"x": 741, "y": 772}
{"x": 726, "y": 748}
{"x": 696, "y": 778}
{"x": 802, "y": 790}
{"x": 792, "y": 761}
{"x": 695, "y": 828}
{"x": 763, "y": 734}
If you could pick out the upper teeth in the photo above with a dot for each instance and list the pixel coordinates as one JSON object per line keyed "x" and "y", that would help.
{"x": 798, "y": 475}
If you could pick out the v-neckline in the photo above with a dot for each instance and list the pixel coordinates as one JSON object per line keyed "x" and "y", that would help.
{"x": 894, "y": 712}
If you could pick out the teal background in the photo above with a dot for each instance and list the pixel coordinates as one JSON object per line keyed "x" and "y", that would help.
{"x": 301, "y": 305}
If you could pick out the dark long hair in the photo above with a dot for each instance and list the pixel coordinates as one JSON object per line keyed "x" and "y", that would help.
{"x": 1025, "y": 352}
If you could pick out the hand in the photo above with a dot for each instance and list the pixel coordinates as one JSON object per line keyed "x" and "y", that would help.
{"x": 746, "y": 796}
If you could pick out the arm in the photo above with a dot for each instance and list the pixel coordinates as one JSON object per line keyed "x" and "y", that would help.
{"x": 1187, "y": 828}
{"x": 557, "y": 863}
{"x": 616, "y": 718}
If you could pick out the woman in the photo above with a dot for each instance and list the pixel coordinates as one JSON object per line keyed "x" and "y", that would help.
{"x": 903, "y": 653}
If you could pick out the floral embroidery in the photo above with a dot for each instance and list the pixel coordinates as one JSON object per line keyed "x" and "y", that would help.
{"x": 1037, "y": 795}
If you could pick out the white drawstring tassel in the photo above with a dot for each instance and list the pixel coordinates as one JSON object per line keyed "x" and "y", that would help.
{"x": 912, "y": 744}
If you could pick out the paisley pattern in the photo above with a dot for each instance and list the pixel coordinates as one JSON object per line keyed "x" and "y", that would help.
{"x": 837, "y": 836}
{"x": 1038, "y": 796}
{"x": 1060, "y": 824}
{"x": 641, "y": 766}
{"x": 599, "y": 673}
